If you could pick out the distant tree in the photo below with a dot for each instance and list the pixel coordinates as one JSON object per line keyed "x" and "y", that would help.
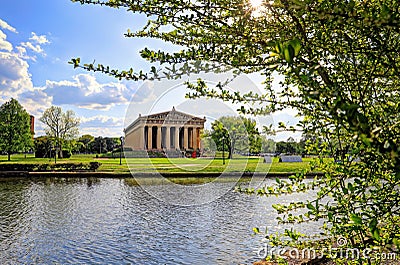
{"x": 15, "y": 133}
{"x": 99, "y": 145}
{"x": 43, "y": 147}
{"x": 207, "y": 141}
{"x": 268, "y": 145}
{"x": 86, "y": 141}
{"x": 290, "y": 146}
{"x": 236, "y": 134}
{"x": 255, "y": 141}
{"x": 60, "y": 126}
{"x": 112, "y": 143}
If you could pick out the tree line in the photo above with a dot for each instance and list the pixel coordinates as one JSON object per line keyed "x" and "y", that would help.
{"x": 237, "y": 134}
{"x": 61, "y": 128}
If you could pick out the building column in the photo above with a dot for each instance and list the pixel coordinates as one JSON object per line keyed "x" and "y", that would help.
{"x": 141, "y": 137}
{"x": 199, "y": 138}
{"x": 185, "y": 137}
{"x": 149, "y": 137}
{"x": 167, "y": 138}
{"x": 195, "y": 146}
{"x": 177, "y": 138}
{"x": 159, "y": 137}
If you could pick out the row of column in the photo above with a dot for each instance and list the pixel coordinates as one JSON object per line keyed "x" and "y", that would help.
{"x": 161, "y": 137}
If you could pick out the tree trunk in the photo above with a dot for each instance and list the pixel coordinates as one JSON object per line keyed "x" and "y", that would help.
{"x": 60, "y": 154}
{"x": 230, "y": 149}
{"x": 9, "y": 156}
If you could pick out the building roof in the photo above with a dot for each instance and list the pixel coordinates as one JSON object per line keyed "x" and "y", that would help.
{"x": 168, "y": 117}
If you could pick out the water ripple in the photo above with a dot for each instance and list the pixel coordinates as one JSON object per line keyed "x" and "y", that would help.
{"x": 106, "y": 222}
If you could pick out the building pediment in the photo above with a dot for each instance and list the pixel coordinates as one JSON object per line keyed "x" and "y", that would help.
{"x": 172, "y": 117}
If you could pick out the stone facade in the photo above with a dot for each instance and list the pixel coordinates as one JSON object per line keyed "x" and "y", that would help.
{"x": 171, "y": 130}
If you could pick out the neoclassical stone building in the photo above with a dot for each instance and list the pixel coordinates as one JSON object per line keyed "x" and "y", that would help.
{"x": 170, "y": 130}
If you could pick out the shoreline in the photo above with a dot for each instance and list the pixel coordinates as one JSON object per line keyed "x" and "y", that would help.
{"x": 4, "y": 175}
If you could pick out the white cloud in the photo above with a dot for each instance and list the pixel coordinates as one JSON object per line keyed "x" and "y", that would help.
{"x": 101, "y": 125}
{"x": 83, "y": 90}
{"x": 4, "y": 44}
{"x": 4, "y": 25}
{"x": 14, "y": 75}
{"x": 100, "y": 131}
{"x": 34, "y": 45}
{"x": 101, "y": 121}
{"x": 15, "y": 78}
{"x": 35, "y": 102}
{"x": 86, "y": 92}
{"x": 35, "y": 48}
{"x": 42, "y": 39}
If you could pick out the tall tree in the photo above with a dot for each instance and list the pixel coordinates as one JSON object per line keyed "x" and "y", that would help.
{"x": 340, "y": 61}
{"x": 60, "y": 126}
{"x": 236, "y": 134}
{"x": 15, "y": 129}
{"x": 255, "y": 141}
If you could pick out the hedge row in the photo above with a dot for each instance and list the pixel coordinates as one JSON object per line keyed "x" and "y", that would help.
{"x": 92, "y": 166}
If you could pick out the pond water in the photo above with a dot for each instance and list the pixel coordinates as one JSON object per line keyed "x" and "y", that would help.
{"x": 105, "y": 221}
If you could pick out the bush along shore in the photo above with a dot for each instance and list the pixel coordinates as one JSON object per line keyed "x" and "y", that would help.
{"x": 46, "y": 167}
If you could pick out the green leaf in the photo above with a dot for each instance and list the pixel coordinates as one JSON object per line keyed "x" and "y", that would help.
{"x": 356, "y": 219}
{"x": 310, "y": 206}
{"x": 372, "y": 224}
{"x": 376, "y": 235}
{"x": 289, "y": 53}
{"x": 296, "y": 45}
{"x": 330, "y": 216}
{"x": 256, "y": 230}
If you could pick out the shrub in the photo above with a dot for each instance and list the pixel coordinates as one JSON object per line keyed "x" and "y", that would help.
{"x": 66, "y": 153}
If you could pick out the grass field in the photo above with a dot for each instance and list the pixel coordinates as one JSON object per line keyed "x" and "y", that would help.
{"x": 173, "y": 165}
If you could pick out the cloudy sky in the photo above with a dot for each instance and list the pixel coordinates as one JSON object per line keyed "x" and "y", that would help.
{"x": 38, "y": 38}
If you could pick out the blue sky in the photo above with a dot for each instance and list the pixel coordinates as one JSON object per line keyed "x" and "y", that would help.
{"x": 38, "y": 38}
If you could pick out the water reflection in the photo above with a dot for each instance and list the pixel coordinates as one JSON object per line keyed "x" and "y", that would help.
{"x": 105, "y": 221}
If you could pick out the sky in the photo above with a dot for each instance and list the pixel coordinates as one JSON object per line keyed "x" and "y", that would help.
{"x": 38, "y": 38}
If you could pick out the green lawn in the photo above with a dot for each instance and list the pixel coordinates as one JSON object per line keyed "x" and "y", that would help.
{"x": 173, "y": 165}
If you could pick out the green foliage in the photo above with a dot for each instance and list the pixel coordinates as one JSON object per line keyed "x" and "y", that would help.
{"x": 236, "y": 134}
{"x": 15, "y": 133}
{"x": 341, "y": 62}
{"x": 85, "y": 143}
{"x": 43, "y": 147}
{"x": 268, "y": 145}
{"x": 93, "y": 166}
{"x": 289, "y": 147}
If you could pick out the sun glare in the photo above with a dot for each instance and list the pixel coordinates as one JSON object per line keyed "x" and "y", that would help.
{"x": 256, "y": 4}
{"x": 258, "y": 8}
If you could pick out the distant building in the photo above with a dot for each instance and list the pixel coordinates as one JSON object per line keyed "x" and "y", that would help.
{"x": 170, "y": 130}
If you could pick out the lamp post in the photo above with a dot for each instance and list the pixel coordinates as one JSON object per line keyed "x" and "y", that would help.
{"x": 120, "y": 150}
